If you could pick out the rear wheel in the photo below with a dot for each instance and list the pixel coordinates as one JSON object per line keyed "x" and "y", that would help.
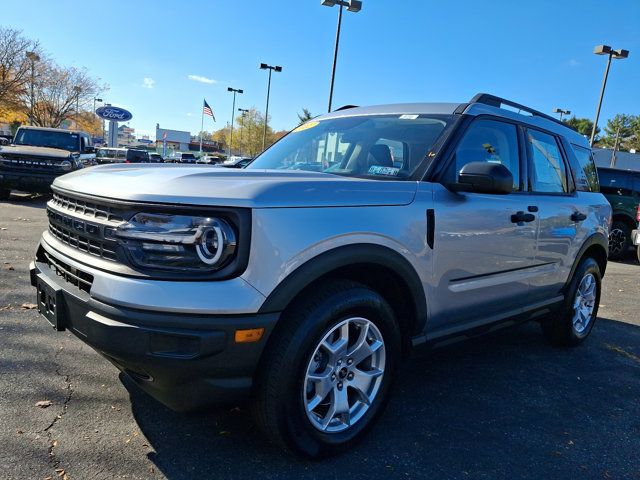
{"x": 328, "y": 369}
{"x": 619, "y": 240}
{"x": 573, "y": 324}
{"x": 5, "y": 193}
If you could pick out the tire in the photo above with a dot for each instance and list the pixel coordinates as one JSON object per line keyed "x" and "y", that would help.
{"x": 619, "y": 240}
{"x": 569, "y": 328}
{"x": 5, "y": 193}
{"x": 638, "y": 252}
{"x": 285, "y": 389}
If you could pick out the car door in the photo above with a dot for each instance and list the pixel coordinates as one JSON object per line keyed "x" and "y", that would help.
{"x": 560, "y": 212}
{"x": 483, "y": 256}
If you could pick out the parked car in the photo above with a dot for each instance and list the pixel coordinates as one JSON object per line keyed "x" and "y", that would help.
{"x": 635, "y": 236}
{"x": 181, "y": 157}
{"x": 39, "y": 155}
{"x": 304, "y": 290}
{"x": 155, "y": 158}
{"x": 111, "y": 155}
{"x": 137, "y": 156}
{"x": 622, "y": 190}
{"x": 209, "y": 160}
{"x": 237, "y": 162}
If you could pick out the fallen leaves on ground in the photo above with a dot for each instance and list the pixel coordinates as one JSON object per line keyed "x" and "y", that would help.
{"x": 28, "y": 306}
{"x": 43, "y": 403}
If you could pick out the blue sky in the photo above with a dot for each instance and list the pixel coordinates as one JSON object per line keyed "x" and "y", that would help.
{"x": 538, "y": 53}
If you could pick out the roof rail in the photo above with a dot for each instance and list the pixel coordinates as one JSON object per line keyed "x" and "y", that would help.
{"x": 345, "y": 107}
{"x": 494, "y": 101}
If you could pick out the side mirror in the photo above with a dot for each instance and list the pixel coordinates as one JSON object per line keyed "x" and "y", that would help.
{"x": 485, "y": 177}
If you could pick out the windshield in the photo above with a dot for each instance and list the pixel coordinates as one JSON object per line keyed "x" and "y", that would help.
{"x": 48, "y": 138}
{"x": 382, "y": 146}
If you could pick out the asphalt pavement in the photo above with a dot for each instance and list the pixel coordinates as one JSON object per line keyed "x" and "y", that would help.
{"x": 504, "y": 406}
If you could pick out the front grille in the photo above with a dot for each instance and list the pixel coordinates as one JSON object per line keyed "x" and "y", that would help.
{"x": 89, "y": 209}
{"x": 31, "y": 162}
{"x": 81, "y": 242}
{"x": 74, "y": 276}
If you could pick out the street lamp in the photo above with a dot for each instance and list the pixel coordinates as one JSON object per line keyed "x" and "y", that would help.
{"x": 611, "y": 53}
{"x": 233, "y": 110}
{"x": 561, "y": 112}
{"x": 352, "y": 6}
{"x": 277, "y": 68}
{"x": 33, "y": 58}
{"x": 77, "y": 90}
{"x": 99, "y": 100}
{"x": 243, "y": 112}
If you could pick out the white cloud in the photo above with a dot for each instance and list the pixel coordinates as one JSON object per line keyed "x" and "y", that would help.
{"x": 574, "y": 63}
{"x": 201, "y": 79}
{"x": 188, "y": 114}
{"x": 148, "y": 82}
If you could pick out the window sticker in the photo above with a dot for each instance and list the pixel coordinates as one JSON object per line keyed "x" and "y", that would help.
{"x": 380, "y": 170}
{"x": 306, "y": 126}
{"x": 408, "y": 117}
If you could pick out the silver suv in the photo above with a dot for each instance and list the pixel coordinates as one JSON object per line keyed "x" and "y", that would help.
{"x": 302, "y": 281}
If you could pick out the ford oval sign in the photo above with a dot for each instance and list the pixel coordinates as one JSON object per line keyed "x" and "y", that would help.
{"x": 115, "y": 114}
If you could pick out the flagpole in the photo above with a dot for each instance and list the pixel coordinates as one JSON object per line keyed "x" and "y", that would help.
{"x": 201, "y": 128}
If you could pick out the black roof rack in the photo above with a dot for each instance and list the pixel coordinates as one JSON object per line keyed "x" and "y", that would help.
{"x": 345, "y": 107}
{"x": 494, "y": 101}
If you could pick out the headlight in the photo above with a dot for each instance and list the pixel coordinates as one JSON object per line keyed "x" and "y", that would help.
{"x": 178, "y": 242}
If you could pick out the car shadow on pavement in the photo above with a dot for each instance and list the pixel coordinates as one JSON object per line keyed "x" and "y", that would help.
{"x": 506, "y": 405}
{"x": 36, "y": 200}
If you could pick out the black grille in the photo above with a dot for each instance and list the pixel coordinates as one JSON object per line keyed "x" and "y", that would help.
{"x": 89, "y": 209}
{"x": 31, "y": 162}
{"x": 74, "y": 276}
{"x": 84, "y": 243}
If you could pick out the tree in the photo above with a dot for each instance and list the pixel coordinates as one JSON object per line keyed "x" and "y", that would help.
{"x": 304, "y": 116}
{"x": 247, "y": 134}
{"x": 15, "y": 68}
{"x": 621, "y": 126}
{"x": 59, "y": 91}
{"x": 582, "y": 125}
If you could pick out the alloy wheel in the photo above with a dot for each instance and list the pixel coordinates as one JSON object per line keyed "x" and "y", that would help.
{"x": 584, "y": 303}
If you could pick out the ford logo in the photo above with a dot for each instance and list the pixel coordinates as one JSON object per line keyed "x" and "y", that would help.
{"x": 115, "y": 114}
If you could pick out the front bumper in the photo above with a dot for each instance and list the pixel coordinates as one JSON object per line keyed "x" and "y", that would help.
{"x": 186, "y": 361}
{"x": 28, "y": 181}
{"x": 635, "y": 237}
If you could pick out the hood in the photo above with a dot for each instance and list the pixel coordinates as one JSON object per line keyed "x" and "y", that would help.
{"x": 35, "y": 151}
{"x": 218, "y": 186}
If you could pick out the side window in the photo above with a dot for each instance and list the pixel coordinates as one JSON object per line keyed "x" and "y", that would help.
{"x": 488, "y": 141}
{"x": 547, "y": 171}
{"x": 615, "y": 182}
{"x": 587, "y": 176}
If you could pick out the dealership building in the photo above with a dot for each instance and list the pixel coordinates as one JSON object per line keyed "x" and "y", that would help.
{"x": 176, "y": 139}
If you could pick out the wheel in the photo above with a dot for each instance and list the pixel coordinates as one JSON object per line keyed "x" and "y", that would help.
{"x": 638, "y": 252}
{"x": 573, "y": 324}
{"x": 5, "y": 193}
{"x": 619, "y": 240}
{"x": 328, "y": 369}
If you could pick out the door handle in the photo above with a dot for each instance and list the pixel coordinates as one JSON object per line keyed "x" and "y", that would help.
{"x": 578, "y": 216}
{"x": 521, "y": 217}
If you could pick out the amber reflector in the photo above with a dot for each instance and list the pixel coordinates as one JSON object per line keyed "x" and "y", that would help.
{"x": 250, "y": 335}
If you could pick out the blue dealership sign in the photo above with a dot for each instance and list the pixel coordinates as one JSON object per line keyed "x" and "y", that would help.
{"x": 114, "y": 114}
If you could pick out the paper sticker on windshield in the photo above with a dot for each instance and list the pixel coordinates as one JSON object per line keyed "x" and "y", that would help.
{"x": 408, "y": 117}
{"x": 306, "y": 126}
{"x": 379, "y": 170}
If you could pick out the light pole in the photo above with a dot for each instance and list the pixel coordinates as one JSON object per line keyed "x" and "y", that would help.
{"x": 277, "y": 68}
{"x": 33, "y": 58}
{"x": 99, "y": 100}
{"x": 77, "y": 90}
{"x": 611, "y": 53}
{"x": 561, "y": 112}
{"x": 233, "y": 111}
{"x": 243, "y": 112}
{"x": 352, "y": 6}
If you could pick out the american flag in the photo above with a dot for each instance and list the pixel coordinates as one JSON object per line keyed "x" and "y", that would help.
{"x": 207, "y": 110}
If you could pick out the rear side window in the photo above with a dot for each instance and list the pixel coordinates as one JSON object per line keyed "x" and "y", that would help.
{"x": 587, "y": 175}
{"x": 547, "y": 171}
{"x": 615, "y": 183}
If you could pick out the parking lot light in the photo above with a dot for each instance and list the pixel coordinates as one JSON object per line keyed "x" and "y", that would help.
{"x": 233, "y": 110}
{"x": 33, "y": 58}
{"x": 277, "y": 68}
{"x": 611, "y": 53}
{"x": 561, "y": 112}
{"x": 352, "y": 6}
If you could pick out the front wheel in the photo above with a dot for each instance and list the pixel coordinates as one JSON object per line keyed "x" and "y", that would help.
{"x": 328, "y": 370}
{"x": 573, "y": 324}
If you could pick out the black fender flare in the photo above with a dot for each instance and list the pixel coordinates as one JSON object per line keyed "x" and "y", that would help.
{"x": 345, "y": 256}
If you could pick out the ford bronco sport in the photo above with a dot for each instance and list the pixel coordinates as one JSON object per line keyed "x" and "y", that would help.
{"x": 303, "y": 280}
{"x": 38, "y": 155}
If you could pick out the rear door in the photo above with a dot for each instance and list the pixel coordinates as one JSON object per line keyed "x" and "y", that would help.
{"x": 482, "y": 258}
{"x": 552, "y": 192}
